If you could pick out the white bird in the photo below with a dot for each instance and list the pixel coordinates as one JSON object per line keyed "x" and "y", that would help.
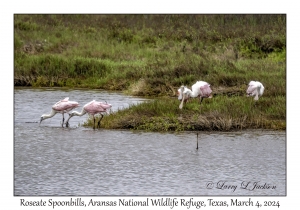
{"x": 256, "y": 89}
{"x": 92, "y": 108}
{"x": 63, "y": 106}
{"x": 200, "y": 88}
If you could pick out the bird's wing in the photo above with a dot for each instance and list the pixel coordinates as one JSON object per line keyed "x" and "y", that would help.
{"x": 65, "y": 99}
{"x": 93, "y": 107}
{"x": 65, "y": 105}
{"x": 206, "y": 90}
{"x": 201, "y": 87}
{"x": 105, "y": 105}
{"x": 86, "y": 106}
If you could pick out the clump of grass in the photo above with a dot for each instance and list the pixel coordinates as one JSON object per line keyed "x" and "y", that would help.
{"x": 137, "y": 88}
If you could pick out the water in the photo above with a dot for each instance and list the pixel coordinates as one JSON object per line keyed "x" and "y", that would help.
{"x": 77, "y": 161}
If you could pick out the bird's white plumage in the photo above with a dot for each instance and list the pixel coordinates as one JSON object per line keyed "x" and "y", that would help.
{"x": 255, "y": 89}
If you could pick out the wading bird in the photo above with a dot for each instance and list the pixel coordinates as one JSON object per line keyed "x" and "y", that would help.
{"x": 200, "y": 88}
{"x": 63, "y": 106}
{"x": 256, "y": 89}
{"x": 92, "y": 108}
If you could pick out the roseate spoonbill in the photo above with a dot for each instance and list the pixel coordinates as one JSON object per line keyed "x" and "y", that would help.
{"x": 256, "y": 89}
{"x": 92, "y": 108}
{"x": 200, "y": 88}
{"x": 62, "y": 106}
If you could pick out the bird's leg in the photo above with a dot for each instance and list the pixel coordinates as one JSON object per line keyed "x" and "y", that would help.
{"x": 67, "y": 123}
{"x": 100, "y": 121}
{"x": 94, "y": 122}
{"x": 201, "y": 99}
{"x": 62, "y": 124}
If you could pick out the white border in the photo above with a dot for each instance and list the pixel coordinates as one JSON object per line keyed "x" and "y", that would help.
{"x": 9, "y": 8}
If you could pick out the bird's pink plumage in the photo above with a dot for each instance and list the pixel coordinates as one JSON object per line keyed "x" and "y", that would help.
{"x": 206, "y": 91}
{"x": 65, "y": 105}
{"x": 95, "y": 107}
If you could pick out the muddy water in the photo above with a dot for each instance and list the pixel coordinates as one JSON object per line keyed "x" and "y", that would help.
{"x": 51, "y": 160}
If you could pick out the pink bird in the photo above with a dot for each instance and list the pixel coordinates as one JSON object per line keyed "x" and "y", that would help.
{"x": 63, "y": 106}
{"x": 200, "y": 88}
{"x": 92, "y": 108}
{"x": 256, "y": 89}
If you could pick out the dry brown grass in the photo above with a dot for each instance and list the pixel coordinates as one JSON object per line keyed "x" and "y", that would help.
{"x": 138, "y": 88}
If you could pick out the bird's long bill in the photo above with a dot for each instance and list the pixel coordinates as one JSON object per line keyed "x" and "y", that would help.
{"x": 181, "y": 104}
{"x": 41, "y": 120}
{"x": 256, "y": 96}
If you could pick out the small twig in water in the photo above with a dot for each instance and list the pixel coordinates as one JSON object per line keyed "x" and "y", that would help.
{"x": 197, "y": 141}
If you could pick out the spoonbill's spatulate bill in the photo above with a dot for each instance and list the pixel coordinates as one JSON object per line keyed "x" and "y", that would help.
{"x": 92, "y": 108}
{"x": 62, "y": 106}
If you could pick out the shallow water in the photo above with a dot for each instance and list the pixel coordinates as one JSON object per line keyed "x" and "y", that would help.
{"x": 51, "y": 160}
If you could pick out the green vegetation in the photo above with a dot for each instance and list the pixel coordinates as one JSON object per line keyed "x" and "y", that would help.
{"x": 153, "y": 55}
{"x": 220, "y": 113}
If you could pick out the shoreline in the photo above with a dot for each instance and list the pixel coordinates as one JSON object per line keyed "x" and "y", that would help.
{"x": 162, "y": 114}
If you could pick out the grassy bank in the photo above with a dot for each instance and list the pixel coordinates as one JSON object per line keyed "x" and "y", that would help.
{"x": 221, "y": 113}
{"x": 152, "y": 55}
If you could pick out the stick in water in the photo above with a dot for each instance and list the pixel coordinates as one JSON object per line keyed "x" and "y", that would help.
{"x": 197, "y": 141}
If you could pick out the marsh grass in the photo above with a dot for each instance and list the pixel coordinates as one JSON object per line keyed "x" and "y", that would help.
{"x": 220, "y": 113}
{"x": 153, "y": 55}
